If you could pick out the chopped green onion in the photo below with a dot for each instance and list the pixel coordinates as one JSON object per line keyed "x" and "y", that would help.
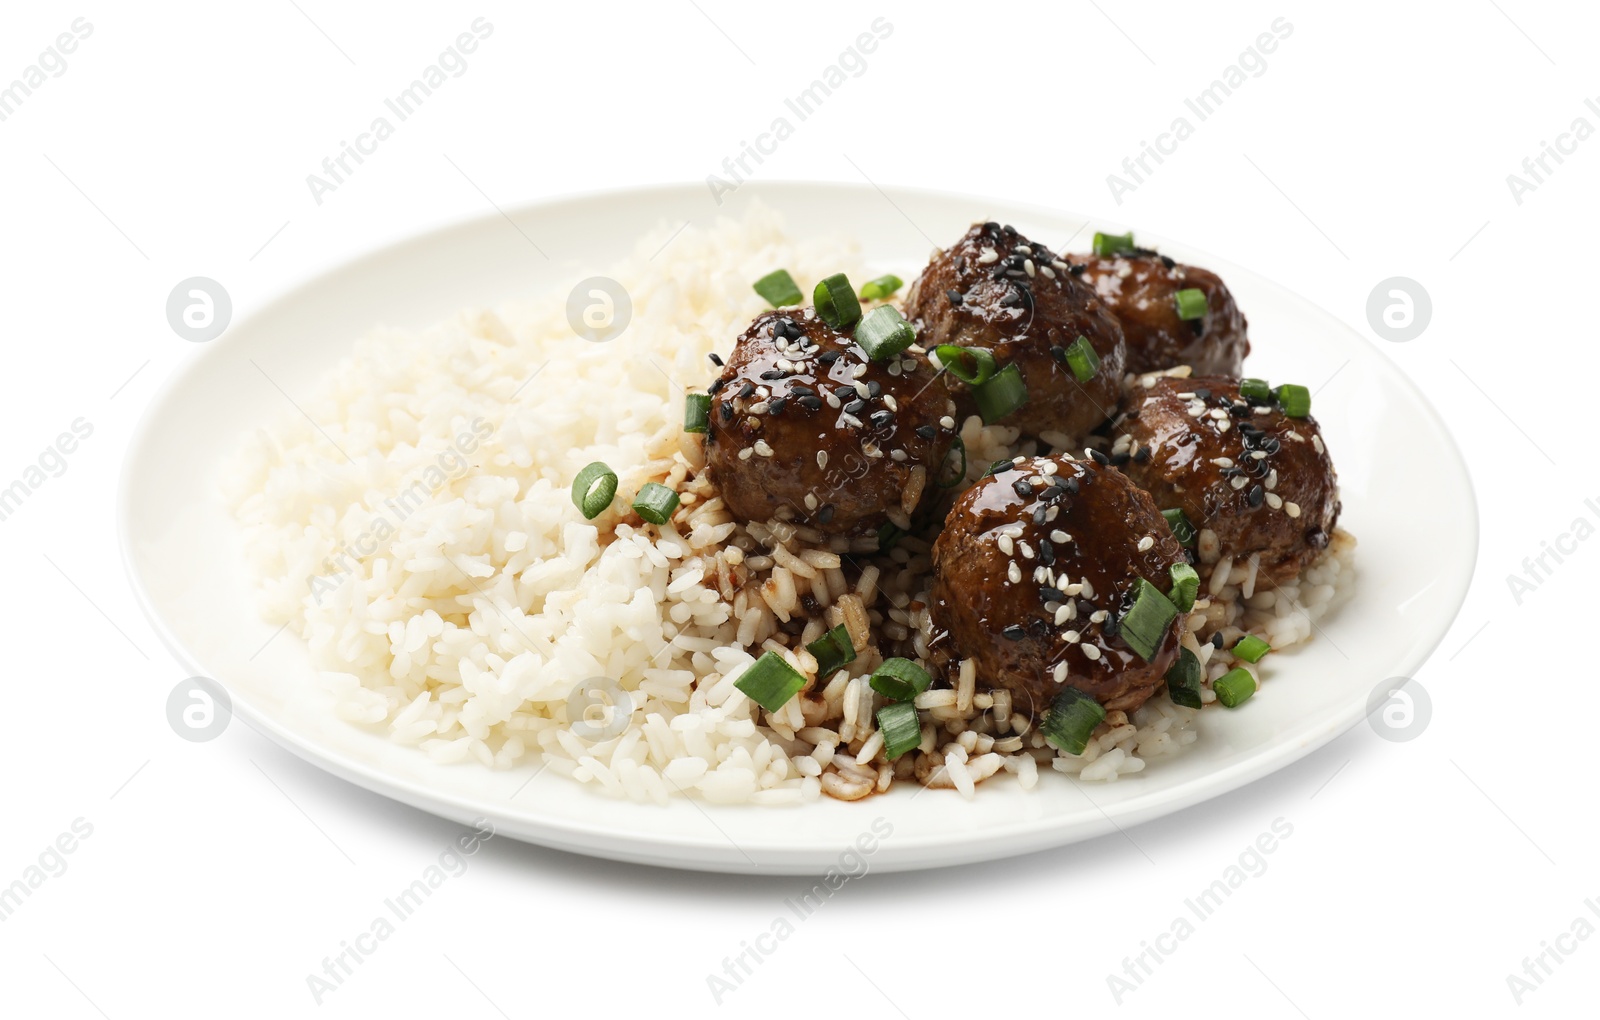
{"x": 1250, "y": 648}
{"x": 771, "y": 682}
{"x": 1255, "y": 390}
{"x": 1183, "y": 680}
{"x": 655, "y": 502}
{"x": 697, "y": 412}
{"x": 1145, "y": 623}
{"x": 779, "y": 289}
{"x": 836, "y": 302}
{"x": 888, "y": 535}
{"x": 997, "y": 467}
{"x": 1234, "y": 687}
{"x": 972, "y": 365}
{"x": 900, "y": 727}
{"x": 882, "y": 287}
{"x": 1081, "y": 358}
{"x": 1295, "y": 400}
{"x": 884, "y": 332}
{"x": 900, "y": 679}
{"x": 594, "y": 489}
{"x": 1112, "y": 244}
{"x": 1191, "y": 303}
{"x": 1070, "y": 719}
{"x": 957, "y": 474}
{"x": 1182, "y": 530}
{"x": 1185, "y": 586}
{"x": 832, "y": 650}
{"x": 1001, "y": 395}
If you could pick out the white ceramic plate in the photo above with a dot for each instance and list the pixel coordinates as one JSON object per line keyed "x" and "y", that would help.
{"x": 183, "y": 554}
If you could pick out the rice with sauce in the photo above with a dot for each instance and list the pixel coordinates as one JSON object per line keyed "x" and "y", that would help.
{"x": 454, "y": 598}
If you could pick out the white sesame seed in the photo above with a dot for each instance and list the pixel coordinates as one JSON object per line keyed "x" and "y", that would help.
{"x": 898, "y": 455}
{"x": 1050, "y": 514}
{"x": 1275, "y": 501}
{"x": 1062, "y": 266}
{"x": 947, "y": 422}
{"x": 744, "y": 454}
{"x": 1145, "y": 543}
{"x": 1088, "y": 591}
{"x": 1006, "y": 545}
{"x": 889, "y": 402}
{"x": 1024, "y": 249}
{"x": 894, "y": 368}
{"x": 1028, "y": 267}
{"x": 1060, "y": 536}
{"x": 1072, "y": 589}
{"x": 850, "y": 420}
{"x": 1316, "y": 442}
{"x": 1049, "y": 467}
{"x": 1258, "y": 455}
{"x": 1015, "y": 573}
{"x": 862, "y": 390}
{"x": 1222, "y": 462}
{"x": 1238, "y": 481}
{"x": 1041, "y": 575}
{"x": 1224, "y": 425}
{"x": 1070, "y": 636}
{"x": 1272, "y": 479}
{"x": 986, "y": 256}
{"x": 811, "y": 501}
{"x": 1050, "y": 274}
{"x": 763, "y": 448}
{"x": 1292, "y": 509}
{"x": 1014, "y": 531}
{"x": 832, "y": 400}
{"x": 1027, "y": 550}
{"x": 1017, "y": 461}
{"x": 1060, "y": 672}
{"x": 760, "y": 407}
{"x": 1092, "y": 652}
{"x": 822, "y": 458}
{"x": 1098, "y": 616}
{"x": 1062, "y": 614}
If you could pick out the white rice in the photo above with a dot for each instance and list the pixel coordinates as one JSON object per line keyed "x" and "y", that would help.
{"x": 457, "y": 600}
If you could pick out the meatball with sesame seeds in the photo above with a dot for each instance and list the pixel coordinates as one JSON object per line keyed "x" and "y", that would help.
{"x": 805, "y": 427}
{"x": 1033, "y": 573}
{"x": 1261, "y": 481}
{"x": 998, "y": 290}
{"x": 1141, "y": 289}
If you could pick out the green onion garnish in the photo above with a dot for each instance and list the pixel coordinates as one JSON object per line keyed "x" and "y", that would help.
{"x": 900, "y": 728}
{"x": 997, "y": 467}
{"x": 655, "y": 502}
{"x": 771, "y": 682}
{"x": 1185, "y": 586}
{"x": 888, "y": 535}
{"x": 1255, "y": 390}
{"x": 1145, "y": 623}
{"x": 1112, "y": 244}
{"x": 836, "y": 302}
{"x": 832, "y": 650}
{"x": 1250, "y": 648}
{"x": 900, "y": 679}
{"x": 1182, "y": 530}
{"x": 884, "y": 332}
{"x": 956, "y": 473}
{"x": 882, "y": 287}
{"x": 779, "y": 288}
{"x": 1001, "y": 395}
{"x": 1295, "y": 400}
{"x": 1191, "y": 303}
{"x": 1234, "y": 687}
{"x": 1082, "y": 359}
{"x": 972, "y": 365}
{"x": 594, "y": 489}
{"x": 697, "y": 412}
{"x": 1183, "y": 680}
{"x": 1069, "y": 720}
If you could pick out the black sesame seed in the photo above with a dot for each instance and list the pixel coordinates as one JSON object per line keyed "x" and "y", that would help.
{"x": 1202, "y": 394}
{"x": 1048, "y": 594}
{"x": 827, "y": 357}
{"x": 775, "y": 405}
{"x": 773, "y": 373}
{"x": 883, "y": 419}
{"x": 1141, "y": 455}
{"x": 927, "y": 432}
{"x": 715, "y": 359}
{"x": 1038, "y": 515}
{"x": 1167, "y": 262}
{"x": 1216, "y": 640}
{"x": 1022, "y": 488}
{"x": 855, "y": 407}
{"x": 874, "y": 388}
{"x": 845, "y": 392}
{"x": 1110, "y": 626}
{"x": 1119, "y": 459}
{"x": 1011, "y": 300}
{"x": 1052, "y": 492}
{"x": 1071, "y": 485}
{"x": 1015, "y": 632}
{"x": 716, "y": 384}
{"x": 1256, "y": 495}
{"x": 1099, "y": 458}
{"x": 727, "y": 412}
{"x": 825, "y": 513}
{"x": 1272, "y": 445}
{"x": 747, "y": 389}
{"x": 1077, "y": 269}
{"x": 810, "y": 402}
{"x": 954, "y": 296}
{"x": 1047, "y": 553}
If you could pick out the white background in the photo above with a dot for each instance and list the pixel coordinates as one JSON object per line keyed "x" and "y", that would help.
{"x": 1376, "y": 143}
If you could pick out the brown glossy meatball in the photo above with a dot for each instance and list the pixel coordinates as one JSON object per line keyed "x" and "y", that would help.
{"x": 1262, "y": 481}
{"x": 1141, "y": 291}
{"x": 994, "y": 288}
{"x": 1031, "y": 576}
{"x": 804, "y": 427}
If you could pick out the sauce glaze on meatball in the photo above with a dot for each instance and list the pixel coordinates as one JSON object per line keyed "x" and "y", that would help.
{"x": 1141, "y": 291}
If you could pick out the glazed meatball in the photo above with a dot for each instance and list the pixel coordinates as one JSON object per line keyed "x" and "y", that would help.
{"x": 1032, "y": 573}
{"x": 804, "y": 426}
{"x": 1141, "y": 291}
{"x": 996, "y": 289}
{"x": 1260, "y": 480}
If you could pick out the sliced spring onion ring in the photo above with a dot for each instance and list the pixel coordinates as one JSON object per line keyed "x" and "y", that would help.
{"x": 882, "y": 287}
{"x": 972, "y": 365}
{"x": 1070, "y": 719}
{"x": 1145, "y": 623}
{"x": 1295, "y": 400}
{"x": 770, "y": 682}
{"x": 1234, "y": 687}
{"x": 1183, "y": 680}
{"x": 957, "y": 473}
{"x": 836, "y": 302}
{"x": 655, "y": 502}
{"x": 884, "y": 332}
{"x": 1255, "y": 390}
{"x": 1081, "y": 358}
{"x": 779, "y": 289}
{"x": 1191, "y": 303}
{"x": 1182, "y": 530}
{"x": 594, "y": 489}
{"x": 900, "y": 679}
{"x": 901, "y": 730}
{"x": 832, "y": 650}
{"x": 1250, "y": 648}
{"x": 697, "y": 412}
{"x": 1185, "y": 586}
{"x": 1112, "y": 244}
{"x": 1001, "y": 395}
